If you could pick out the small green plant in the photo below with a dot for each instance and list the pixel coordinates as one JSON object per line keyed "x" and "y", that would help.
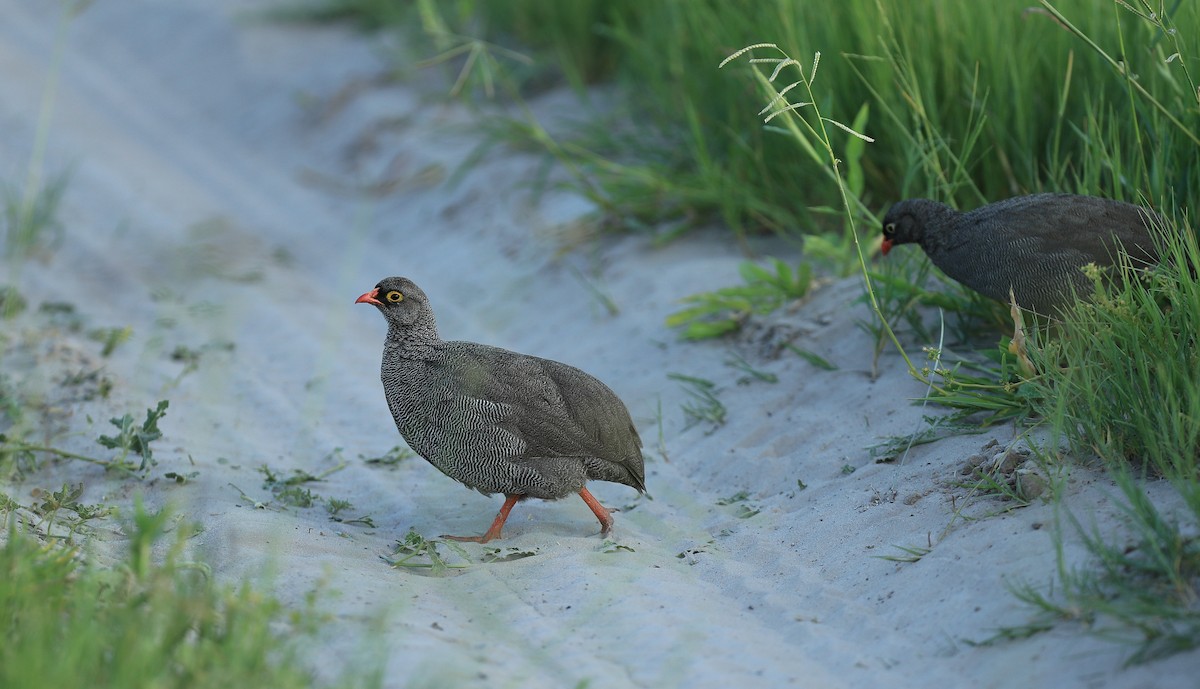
{"x": 391, "y": 458}
{"x": 17, "y": 456}
{"x": 661, "y": 443}
{"x": 739, "y": 363}
{"x": 418, "y": 552}
{"x": 811, "y": 357}
{"x": 599, "y": 294}
{"x": 62, "y": 314}
{"x": 908, "y": 287}
{"x": 723, "y": 311}
{"x": 7, "y": 507}
{"x": 296, "y": 496}
{"x": 92, "y": 383}
{"x": 933, "y": 428}
{"x": 335, "y": 507}
{"x": 290, "y": 490}
{"x": 274, "y": 480}
{"x": 181, "y": 477}
{"x": 912, "y": 553}
{"x": 744, "y": 510}
{"x": 111, "y": 338}
{"x": 740, "y": 496}
{"x": 131, "y": 438}
{"x": 30, "y": 218}
{"x": 990, "y": 388}
{"x": 190, "y": 357}
{"x": 705, "y": 406}
{"x": 506, "y": 554}
{"x": 11, "y": 302}
{"x": 49, "y": 504}
{"x": 11, "y": 406}
{"x": 609, "y": 546}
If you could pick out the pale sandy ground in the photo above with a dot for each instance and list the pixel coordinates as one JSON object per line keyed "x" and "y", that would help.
{"x": 208, "y": 204}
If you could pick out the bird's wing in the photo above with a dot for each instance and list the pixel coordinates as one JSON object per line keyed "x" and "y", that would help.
{"x": 555, "y": 409}
{"x": 1053, "y": 227}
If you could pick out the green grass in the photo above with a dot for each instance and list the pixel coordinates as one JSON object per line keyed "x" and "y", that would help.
{"x": 391, "y": 458}
{"x": 143, "y": 622}
{"x": 30, "y": 222}
{"x": 725, "y": 310}
{"x": 704, "y": 406}
{"x": 966, "y": 102}
{"x": 1139, "y": 590}
{"x": 1120, "y": 385}
{"x": 1121, "y": 382}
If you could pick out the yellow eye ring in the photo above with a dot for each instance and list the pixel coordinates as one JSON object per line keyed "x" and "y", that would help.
{"x": 394, "y": 296}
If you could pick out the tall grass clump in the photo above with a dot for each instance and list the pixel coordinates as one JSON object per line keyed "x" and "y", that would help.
{"x": 575, "y": 39}
{"x": 1121, "y": 381}
{"x": 1120, "y": 385}
{"x": 968, "y": 101}
{"x": 1116, "y": 379}
{"x": 142, "y": 624}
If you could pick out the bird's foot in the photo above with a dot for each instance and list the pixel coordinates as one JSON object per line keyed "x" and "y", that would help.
{"x": 497, "y": 524}
{"x": 603, "y": 514}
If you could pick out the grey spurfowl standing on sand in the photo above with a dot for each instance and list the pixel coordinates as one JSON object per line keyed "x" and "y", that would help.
{"x": 499, "y": 421}
{"x": 1034, "y": 244}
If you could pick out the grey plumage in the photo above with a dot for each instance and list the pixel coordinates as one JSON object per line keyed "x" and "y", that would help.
{"x": 1034, "y": 244}
{"x": 498, "y": 421}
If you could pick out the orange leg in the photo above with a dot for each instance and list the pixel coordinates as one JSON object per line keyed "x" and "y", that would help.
{"x": 498, "y": 523}
{"x": 601, "y": 512}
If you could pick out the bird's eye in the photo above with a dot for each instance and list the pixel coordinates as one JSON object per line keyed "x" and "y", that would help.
{"x": 394, "y": 296}
{"x": 889, "y": 229}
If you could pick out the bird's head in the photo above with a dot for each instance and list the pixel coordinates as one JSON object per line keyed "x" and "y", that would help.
{"x": 400, "y": 301}
{"x": 906, "y": 221}
{"x": 900, "y": 226}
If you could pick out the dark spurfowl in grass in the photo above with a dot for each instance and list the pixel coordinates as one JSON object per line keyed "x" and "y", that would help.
{"x": 1036, "y": 245}
{"x": 499, "y": 421}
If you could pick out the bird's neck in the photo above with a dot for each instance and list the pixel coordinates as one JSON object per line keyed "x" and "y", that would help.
{"x": 939, "y": 227}
{"x": 413, "y": 341}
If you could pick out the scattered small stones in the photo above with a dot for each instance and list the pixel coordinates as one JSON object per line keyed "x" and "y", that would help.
{"x": 1009, "y": 472}
{"x": 1029, "y": 484}
{"x": 1008, "y": 462}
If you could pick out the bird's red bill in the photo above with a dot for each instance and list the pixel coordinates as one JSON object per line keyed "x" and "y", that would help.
{"x": 884, "y": 248}
{"x": 369, "y": 298}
